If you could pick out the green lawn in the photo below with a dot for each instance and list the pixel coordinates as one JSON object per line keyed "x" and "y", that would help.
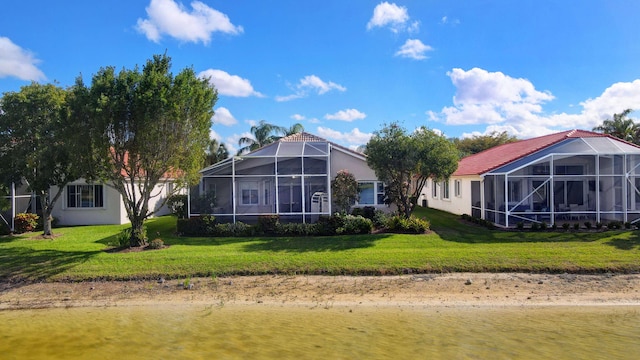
{"x": 79, "y": 253}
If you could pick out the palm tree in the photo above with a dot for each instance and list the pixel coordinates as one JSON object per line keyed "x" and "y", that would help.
{"x": 621, "y": 127}
{"x": 216, "y": 152}
{"x": 263, "y": 134}
{"x": 294, "y": 129}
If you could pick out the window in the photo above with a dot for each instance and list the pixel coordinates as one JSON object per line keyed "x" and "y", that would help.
{"x": 85, "y": 196}
{"x": 434, "y": 189}
{"x": 457, "y": 188}
{"x": 445, "y": 189}
{"x": 249, "y": 193}
{"x": 371, "y": 193}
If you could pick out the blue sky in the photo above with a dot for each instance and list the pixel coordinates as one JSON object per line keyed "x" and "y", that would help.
{"x": 344, "y": 68}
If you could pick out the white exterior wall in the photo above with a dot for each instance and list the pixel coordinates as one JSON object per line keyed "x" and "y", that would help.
{"x": 455, "y": 204}
{"x": 113, "y": 211}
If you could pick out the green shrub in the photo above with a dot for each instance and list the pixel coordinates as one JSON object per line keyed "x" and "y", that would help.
{"x": 197, "y": 226}
{"x": 25, "y": 222}
{"x": 412, "y": 225}
{"x": 543, "y": 226}
{"x": 156, "y": 244}
{"x": 177, "y": 204}
{"x": 327, "y": 225}
{"x": 231, "y": 230}
{"x": 296, "y": 229}
{"x": 554, "y": 226}
{"x": 352, "y": 225}
{"x": 123, "y": 239}
{"x": 380, "y": 218}
{"x": 535, "y": 226}
{"x": 566, "y": 226}
{"x": 627, "y": 225}
{"x": 576, "y": 226}
{"x": 267, "y": 224}
{"x": 520, "y": 225}
{"x": 599, "y": 225}
{"x": 587, "y": 224}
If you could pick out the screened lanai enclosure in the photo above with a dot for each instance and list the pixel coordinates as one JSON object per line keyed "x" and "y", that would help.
{"x": 290, "y": 179}
{"x": 595, "y": 179}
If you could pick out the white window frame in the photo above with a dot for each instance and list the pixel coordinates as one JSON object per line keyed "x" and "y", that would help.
{"x": 457, "y": 188}
{"x": 79, "y": 201}
{"x": 377, "y": 185}
{"x": 445, "y": 190}
{"x": 251, "y": 187}
{"x": 434, "y": 189}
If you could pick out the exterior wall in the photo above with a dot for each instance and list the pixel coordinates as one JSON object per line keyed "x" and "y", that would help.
{"x": 360, "y": 170}
{"x": 458, "y": 205}
{"x": 112, "y": 211}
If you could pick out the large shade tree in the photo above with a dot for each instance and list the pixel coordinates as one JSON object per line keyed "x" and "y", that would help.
{"x": 140, "y": 127}
{"x": 405, "y": 161}
{"x": 216, "y": 151}
{"x": 34, "y": 144}
{"x": 478, "y": 143}
{"x": 621, "y": 127}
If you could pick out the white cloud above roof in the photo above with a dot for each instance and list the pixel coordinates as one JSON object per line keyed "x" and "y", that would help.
{"x": 223, "y": 116}
{"x": 229, "y": 85}
{"x": 346, "y": 115}
{"x": 173, "y": 19}
{"x": 353, "y": 137}
{"x": 504, "y": 103}
{"x": 311, "y": 83}
{"x": 413, "y": 49}
{"x": 390, "y": 15}
{"x": 18, "y": 62}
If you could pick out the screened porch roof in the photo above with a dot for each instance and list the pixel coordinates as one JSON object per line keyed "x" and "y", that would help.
{"x": 574, "y": 146}
{"x": 296, "y": 145}
{"x": 498, "y": 158}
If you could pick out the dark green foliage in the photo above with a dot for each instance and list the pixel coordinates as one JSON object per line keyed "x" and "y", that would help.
{"x": 197, "y": 226}
{"x": 267, "y": 224}
{"x": 411, "y": 225}
{"x": 25, "y": 222}
{"x": 4, "y": 228}
{"x": 627, "y": 225}
{"x": 543, "y": 226}
{"x": 535, "y": 226}
{"x": 588, "y": 225}
{"x": 520, "y": 225}
{"x": 344, "y": 190}
{"x": 177, "y": 204}
{"x": 599, "y": 225}
{"x": 479, "y": 143}
{"x": 576, "y": 226}
{"x": 554, "y": 226}
{"x": 297, "y": 229}
{"x": 566, "y": 226}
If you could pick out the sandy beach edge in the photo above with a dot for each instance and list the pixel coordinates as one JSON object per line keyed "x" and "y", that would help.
{"x": 419, "y": 290}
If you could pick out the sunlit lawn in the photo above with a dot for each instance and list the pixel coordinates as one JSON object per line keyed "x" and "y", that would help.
{"x": 78, "y": 253}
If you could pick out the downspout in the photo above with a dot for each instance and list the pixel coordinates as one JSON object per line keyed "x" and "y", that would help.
{"x": 507, "y": 212}
{"x": 329, "y": 173}
{"x": 13, "y": 206}
{"x": 598, "y": 188}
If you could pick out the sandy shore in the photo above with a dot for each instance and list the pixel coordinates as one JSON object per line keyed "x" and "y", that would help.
{"x": 457, "y": 289}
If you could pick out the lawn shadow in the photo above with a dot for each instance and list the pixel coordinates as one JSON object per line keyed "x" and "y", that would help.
{"x": 314, "y": 244}
{"x": 633, "y": 242}
{"x": 24, "y": 265}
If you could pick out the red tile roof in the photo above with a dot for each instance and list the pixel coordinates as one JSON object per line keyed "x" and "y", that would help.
{"x": 495, "y": 157}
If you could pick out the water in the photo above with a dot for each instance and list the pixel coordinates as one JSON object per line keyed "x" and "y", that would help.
{"x": 268, "y": 332}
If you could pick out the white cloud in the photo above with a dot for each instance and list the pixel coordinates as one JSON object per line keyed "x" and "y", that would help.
{"x": 346, "y": 115}
{"x": 251, "y": 122}
{"x": 391, "y": 15}
{"x": 314, "y": 121}
{"x": 514, "y": 105}
{"x": 297, "y": 117}
{"x": 17, "y": 62}
{"x": 230, "y": 85}
{"x": 214, "y": 135}
{"x": 311, "y": 83}
{"x": 223, "y": 116}
{"x": 413, "y": 49}
{"x": 173, "y": 19}
{"x": 231, "y": 142}
{"x": 353, "y": 137}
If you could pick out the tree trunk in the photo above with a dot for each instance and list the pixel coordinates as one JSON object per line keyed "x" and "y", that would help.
{"x": 138, "y": 232}
{"x": 46, "y": 223}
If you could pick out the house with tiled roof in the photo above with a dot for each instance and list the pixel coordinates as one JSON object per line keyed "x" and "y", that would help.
{"x": 290, "y": 178}
{"x": 570, "y": 176}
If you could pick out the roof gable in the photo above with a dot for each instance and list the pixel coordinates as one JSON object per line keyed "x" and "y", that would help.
{"x": 500, "y": 155}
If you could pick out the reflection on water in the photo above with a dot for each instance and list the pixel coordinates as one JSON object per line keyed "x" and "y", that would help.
{"x": 237, "y": 332}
